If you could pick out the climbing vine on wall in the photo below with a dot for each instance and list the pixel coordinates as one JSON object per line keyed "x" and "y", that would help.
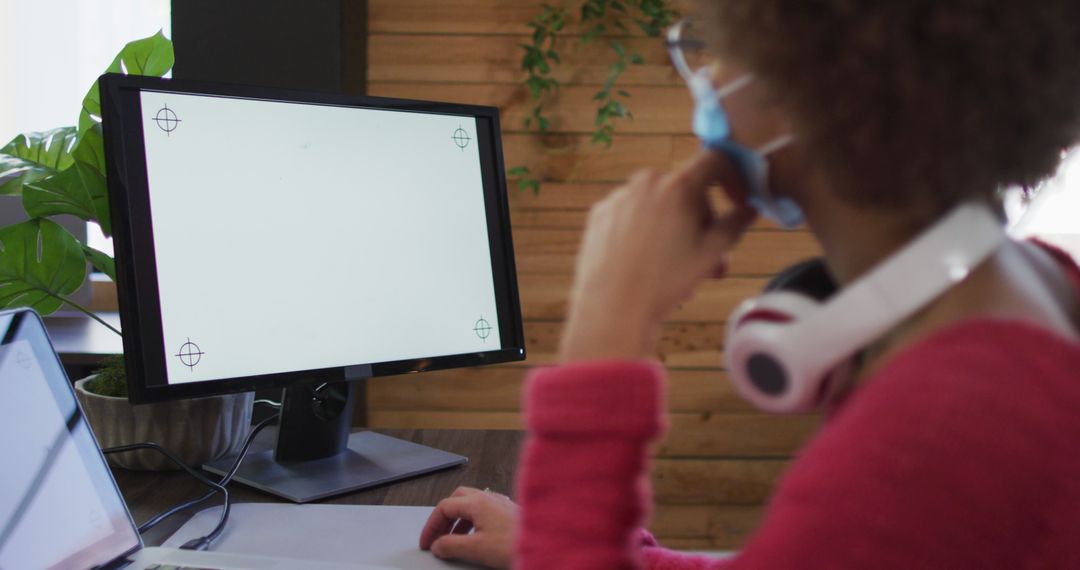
{"x": 596, "y": 21}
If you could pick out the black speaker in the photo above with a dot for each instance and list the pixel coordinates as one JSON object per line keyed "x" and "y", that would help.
{"x": 313, "y": 45}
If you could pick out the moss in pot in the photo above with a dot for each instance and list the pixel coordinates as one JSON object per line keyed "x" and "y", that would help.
{"x": 197, "y": 430}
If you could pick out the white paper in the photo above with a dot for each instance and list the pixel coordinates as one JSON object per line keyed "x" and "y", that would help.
{"x": 387, "y": 536}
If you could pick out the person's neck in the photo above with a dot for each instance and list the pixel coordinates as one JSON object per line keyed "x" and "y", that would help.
{"x": 1017, "y": 282}
{"x": 854, "y": 240}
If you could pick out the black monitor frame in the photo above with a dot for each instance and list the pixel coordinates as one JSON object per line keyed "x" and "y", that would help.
{"x": 136, "y": 268}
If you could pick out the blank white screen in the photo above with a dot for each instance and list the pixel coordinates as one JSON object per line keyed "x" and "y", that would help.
{"x": 294, "y": 237}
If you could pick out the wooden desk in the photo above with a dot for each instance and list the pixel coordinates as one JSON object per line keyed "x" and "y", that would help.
{"x": 82, "y": 342}
{"x": 492, "y": 463}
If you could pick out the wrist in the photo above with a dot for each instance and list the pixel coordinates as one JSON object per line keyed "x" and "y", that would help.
{"x": 608, "y": 332}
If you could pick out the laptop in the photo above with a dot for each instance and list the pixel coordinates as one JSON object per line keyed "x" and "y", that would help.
{"x": 59, "y": 505}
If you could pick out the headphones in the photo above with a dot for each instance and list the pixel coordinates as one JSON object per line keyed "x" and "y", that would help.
{"x": 795, "y": 347}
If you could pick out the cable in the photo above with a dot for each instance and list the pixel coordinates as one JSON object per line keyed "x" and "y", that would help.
{"x": 271, "y": 403}
{"x": 223, "y": 481}
{"x": 217, "y": 488}
{"x": 203, "y": 542}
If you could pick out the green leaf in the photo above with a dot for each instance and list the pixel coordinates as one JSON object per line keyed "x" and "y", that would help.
{"x": 593, "y": 33}
{"x": 518, "y": 171}
{"x": 531, "y": 58}
{"x": 536, "y": 86}
{"x": 90, "y": 150}
{"x": 34, "y": 156}
{"x": 530, "y": 183}
{"x": 624, "y": 93}
{"x": 149, "y": 56}
{"x": 79, "y": 191}
{"x": 618, "y": 47}
{"x": 101, "y": 261}
{"x": 40, "y": 264}
{"x": 637, "y": 59}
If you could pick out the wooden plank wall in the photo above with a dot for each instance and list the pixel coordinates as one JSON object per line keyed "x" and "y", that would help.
{"x": 720, "y": 459}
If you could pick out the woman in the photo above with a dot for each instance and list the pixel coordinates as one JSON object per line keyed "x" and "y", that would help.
{"x": 956, "y": 444}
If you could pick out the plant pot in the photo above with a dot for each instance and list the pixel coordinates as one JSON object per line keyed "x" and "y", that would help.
{"x": 196, "y": 430}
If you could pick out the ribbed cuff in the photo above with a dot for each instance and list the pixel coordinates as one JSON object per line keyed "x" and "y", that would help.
{"x": 598, "y": 398}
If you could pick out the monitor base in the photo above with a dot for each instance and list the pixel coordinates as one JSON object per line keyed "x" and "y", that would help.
{"x": 369, "y": 459}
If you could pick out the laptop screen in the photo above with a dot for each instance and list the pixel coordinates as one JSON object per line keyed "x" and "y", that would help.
{"x": 59, "y": 506}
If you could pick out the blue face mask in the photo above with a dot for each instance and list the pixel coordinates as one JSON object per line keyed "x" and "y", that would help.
{"x": 712, "y": 127}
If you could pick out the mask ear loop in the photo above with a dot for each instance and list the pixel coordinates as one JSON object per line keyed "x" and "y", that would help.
{"x": 768, "y": 148}
{"x": 735, "y": 85}
{"x": 776, "y": 144}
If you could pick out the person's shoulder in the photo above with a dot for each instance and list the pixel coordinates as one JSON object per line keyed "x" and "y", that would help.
{"x": 975, "y": 424}
{"x": 983, "y": 357}
{"x": 978, "y": 382}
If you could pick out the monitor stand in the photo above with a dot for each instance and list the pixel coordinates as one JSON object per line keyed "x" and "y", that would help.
{"x": 315, "y": 456}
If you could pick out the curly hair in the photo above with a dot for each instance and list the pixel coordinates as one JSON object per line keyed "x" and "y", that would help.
{"x": 904, "y": 101}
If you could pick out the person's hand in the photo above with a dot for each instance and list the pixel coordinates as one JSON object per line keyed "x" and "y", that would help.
{"x": 474, "y": 526}
{"x": 646, "y": 248}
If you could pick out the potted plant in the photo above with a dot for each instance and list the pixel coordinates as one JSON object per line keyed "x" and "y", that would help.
{"x": 62, "y": 172}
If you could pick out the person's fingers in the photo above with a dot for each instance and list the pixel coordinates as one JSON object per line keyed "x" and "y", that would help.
{"x": 437, "y": 525}
{"x": 461, "y": 546}
{"x": 443, "y": 517}
{"x": 462, "y": 527}
{"x": 720, "y": 237}
{"x": 465, "y": 491}
{"x": 706, "y": 168}
{"x": 719, "y": 269}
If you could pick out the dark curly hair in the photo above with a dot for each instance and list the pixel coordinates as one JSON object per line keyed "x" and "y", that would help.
{"x": 905, "y": 101}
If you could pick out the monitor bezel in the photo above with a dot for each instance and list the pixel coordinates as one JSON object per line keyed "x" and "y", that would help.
{"x": 136, "y": 268}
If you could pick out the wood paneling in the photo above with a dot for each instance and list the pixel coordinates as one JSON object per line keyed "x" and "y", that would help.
{"x": 690, "y": 436}
{"x": 669, "y": 108}
{"x": 720, "y": 459}
{"x": 468, "y": 17}
{"x": 544, "y": 297}
{"x": 496, "y": 59}
{"x": 552, "y": 251}
{"x": 705, "y": 527}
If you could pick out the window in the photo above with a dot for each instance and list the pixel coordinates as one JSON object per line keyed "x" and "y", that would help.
{"x": 1054, "y": 212}
{"x": 55, "y": 49}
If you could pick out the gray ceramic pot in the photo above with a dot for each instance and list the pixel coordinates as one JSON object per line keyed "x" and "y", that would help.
{"x": 197, "y": 430}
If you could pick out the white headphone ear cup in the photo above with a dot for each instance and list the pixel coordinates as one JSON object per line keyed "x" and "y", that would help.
{"x": 764, "y": 365}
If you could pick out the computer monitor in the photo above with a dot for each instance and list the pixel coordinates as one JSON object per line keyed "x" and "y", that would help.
{"x": 275, "y": 238}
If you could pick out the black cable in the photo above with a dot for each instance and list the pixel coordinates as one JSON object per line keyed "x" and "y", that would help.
{"x": 203, "y": 542}
{"x": 223, "y": 481}
{"x": 217, "y": 488}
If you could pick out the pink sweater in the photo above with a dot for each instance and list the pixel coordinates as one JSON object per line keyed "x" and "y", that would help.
{"x": 961, "y": 452}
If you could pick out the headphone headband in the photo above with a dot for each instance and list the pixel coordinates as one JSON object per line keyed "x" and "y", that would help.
{"x": 780, "y": 366}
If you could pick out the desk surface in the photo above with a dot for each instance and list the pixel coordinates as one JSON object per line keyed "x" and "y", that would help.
{"x": 492, "y": 463}
{"x": 79, "y": 336}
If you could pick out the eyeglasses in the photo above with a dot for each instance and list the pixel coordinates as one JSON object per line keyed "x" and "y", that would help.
{"x": 694, "y": 62}
{"x": 699, "y": 67}
{"x": 686, "y": 48}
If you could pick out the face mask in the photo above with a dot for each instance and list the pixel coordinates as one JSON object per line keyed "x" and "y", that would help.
{"x": 712, "y": 127}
